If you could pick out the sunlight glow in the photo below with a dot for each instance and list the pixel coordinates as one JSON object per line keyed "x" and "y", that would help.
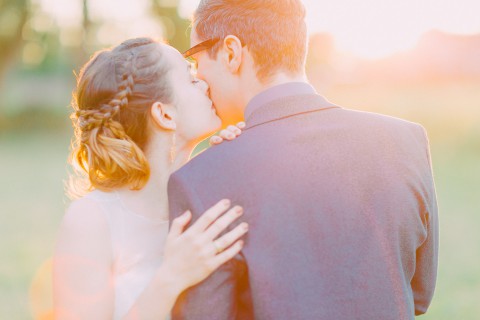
{"x": 66, "y": 13}
{"x": 118, "y": 10}
{"x": 377, "y": 28}
{"x": 120, "y": 19}
{"x": 368, "y": 29}
{"x": 124, "y": 19}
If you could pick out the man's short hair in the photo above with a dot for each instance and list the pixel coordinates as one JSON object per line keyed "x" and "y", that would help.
{"x": 274, "y": 31}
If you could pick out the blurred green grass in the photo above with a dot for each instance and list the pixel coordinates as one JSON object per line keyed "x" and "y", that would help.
{"x": 33, "y": 168}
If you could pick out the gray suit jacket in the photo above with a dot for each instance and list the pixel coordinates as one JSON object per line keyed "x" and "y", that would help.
{"x": 342, "y": 212}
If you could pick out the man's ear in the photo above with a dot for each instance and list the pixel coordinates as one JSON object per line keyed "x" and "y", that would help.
{"x": 164, "y": 115}
{"x": 232, "y": 53}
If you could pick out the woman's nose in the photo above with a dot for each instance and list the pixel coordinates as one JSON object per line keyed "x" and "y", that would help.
{"x": 204, "y": 86}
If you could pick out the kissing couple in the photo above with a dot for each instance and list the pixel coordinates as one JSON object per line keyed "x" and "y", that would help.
{"x": 311, "y": 211}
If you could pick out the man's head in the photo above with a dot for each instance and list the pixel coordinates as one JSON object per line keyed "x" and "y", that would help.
{"x": 256, "y": 41}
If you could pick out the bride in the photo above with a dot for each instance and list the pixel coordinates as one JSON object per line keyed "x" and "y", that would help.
{"x": 139, "y": 112}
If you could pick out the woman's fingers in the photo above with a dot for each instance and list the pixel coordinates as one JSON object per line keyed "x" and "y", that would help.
{"x": 222, "y": 223}
{"x": 235, "y": 130}
{"x": 179, "y": 224}
{"x": 227, "y": 254}
{"x": 241, "y": 125}
{"x": 227, "y": 134}
{"x": 215, "y": 140}
{"x": 231, "y": 237}
{"x": 230, "y": 133}
{"x": 209, "y": 216}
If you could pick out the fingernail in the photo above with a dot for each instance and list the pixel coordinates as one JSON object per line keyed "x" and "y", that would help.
{"x": 245, "y": 226}
{"x": 226, "y": 203}
{"x": 230, "y": 136}
{"x": 239, "y": 210}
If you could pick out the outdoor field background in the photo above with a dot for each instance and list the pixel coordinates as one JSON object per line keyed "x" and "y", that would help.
{"x": 35, "y": 134}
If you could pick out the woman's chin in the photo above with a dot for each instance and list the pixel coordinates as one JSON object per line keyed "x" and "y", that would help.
{"x": 218, "y": 123}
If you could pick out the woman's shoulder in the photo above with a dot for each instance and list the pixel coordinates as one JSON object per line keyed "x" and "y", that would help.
{"x": 83, "y": 252}
{"x": 90, "y": 207}
{"x": 85, "y": 227}
{"x": 99, "y": 196}
{"x": 87, "y": 209}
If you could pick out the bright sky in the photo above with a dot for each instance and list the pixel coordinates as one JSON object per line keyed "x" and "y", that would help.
{"x": 376, "y": 28}
{"x": 367, "y": 28}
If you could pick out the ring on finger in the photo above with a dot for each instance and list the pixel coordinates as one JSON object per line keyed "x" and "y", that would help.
{"x": 218, "y": 247}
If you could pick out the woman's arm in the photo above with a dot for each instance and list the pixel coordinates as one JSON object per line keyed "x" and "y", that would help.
{"x": 82, "y": 279}
{"x": 190, "y": 257}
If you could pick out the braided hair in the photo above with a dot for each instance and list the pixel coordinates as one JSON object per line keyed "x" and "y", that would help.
{"x": 114, "y": 93}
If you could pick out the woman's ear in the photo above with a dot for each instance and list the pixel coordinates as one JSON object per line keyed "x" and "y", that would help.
{"x": 164, "y": 115}
{"x": 232, "y": 53}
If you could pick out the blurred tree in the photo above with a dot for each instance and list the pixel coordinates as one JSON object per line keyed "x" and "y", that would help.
{"x": 13, "y": 16}
{"x": 87, "y": 26}
{"x": 174, "y": 25}
{"x": 83, "y": 37}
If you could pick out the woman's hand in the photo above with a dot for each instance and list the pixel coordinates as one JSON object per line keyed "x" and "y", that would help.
{"x": 230, "y": 133}
{"x": 191, "y": 256}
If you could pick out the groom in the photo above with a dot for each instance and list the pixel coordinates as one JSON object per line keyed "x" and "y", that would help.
{"x": 341, "y": 204}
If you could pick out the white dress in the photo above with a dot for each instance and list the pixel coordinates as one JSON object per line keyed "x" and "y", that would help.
{"x": 137, "y": 242}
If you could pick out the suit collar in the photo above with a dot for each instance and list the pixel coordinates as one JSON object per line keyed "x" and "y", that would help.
{"x": 277, "y": 92}
{"x": 268, "y": 107}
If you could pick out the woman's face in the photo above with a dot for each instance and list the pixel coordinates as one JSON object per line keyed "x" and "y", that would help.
{"x": 196, "y": 116}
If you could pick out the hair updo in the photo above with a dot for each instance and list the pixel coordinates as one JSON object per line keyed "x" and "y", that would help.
{"x": 112, "y": 101}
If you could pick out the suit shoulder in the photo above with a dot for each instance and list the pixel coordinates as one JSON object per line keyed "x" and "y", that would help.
{"x": 364, "y": 118}
{"x": 213, "y": 159}
{"x": 378, "y": 117}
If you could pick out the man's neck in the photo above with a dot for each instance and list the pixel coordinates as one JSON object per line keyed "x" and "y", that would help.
{"x": 254, "y": 88}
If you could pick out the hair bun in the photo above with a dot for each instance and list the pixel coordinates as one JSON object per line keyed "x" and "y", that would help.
{"x": 112, "y": 113}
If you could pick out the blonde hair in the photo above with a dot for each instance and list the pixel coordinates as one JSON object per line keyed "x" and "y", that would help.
{"x": 111, "y": 103}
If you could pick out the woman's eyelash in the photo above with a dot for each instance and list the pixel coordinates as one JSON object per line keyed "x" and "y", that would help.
{"x": 195, "y": 81}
